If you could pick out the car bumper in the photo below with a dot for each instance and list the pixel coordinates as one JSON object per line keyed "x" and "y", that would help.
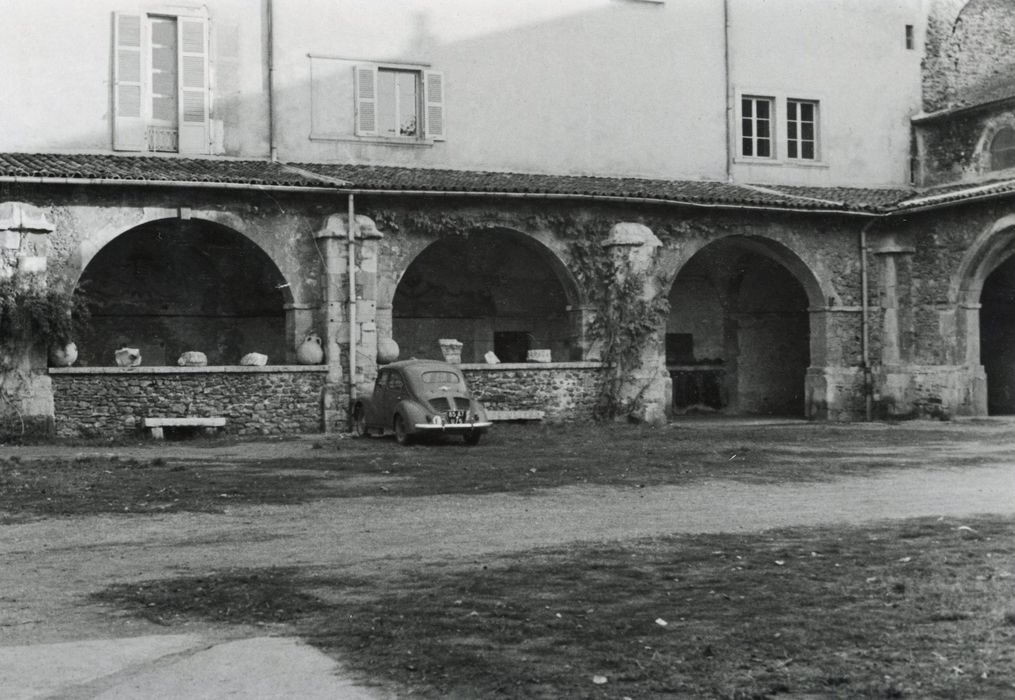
{"x": 453, "y": 427}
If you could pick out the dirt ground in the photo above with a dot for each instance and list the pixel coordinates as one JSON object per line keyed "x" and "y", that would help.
{"x": 51, "y": 565}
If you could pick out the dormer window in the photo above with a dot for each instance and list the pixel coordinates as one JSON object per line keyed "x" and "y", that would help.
{"x": 1002, "y": 149}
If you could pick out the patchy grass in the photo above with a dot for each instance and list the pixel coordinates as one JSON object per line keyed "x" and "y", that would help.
{"x": 514, "y": 459}
{"x": 922, "y": 608}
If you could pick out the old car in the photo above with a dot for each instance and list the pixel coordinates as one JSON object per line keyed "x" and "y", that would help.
{"x": 420, "y": 397}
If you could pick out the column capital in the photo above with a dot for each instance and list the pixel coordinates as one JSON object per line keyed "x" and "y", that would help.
{"x": 337, "y": 226}
{"x": 631, "y": 234}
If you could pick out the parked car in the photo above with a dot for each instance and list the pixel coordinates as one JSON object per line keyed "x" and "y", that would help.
{"x": 420, "y": 397}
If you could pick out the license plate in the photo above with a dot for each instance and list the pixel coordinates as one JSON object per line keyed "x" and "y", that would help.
{"x": 457, "y": 416}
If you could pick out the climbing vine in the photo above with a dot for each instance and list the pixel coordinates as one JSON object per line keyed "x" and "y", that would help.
{"x": 624, "y": 321}
{"x": 32, "y": 312}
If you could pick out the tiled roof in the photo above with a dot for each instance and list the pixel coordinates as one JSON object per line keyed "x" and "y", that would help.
{"x": 151, "y": 169}
{"x": 143, "y": 170}
{"x": 374, "y": 177}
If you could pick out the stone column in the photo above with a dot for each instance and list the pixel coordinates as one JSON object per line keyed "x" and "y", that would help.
{"x": 26, "y": 392}
{"x": 893, "y": 382}
{"x": 333, "y": 240}
{"x": 648, "y": 387}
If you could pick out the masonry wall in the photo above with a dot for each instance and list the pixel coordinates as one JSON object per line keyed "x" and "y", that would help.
{"x": 566, "y": 391}
{"x": 254, "y": 401}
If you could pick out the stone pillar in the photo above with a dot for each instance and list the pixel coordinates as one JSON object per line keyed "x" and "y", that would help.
{"x": 26, "y": 392}
{"x": 647, "y": 387}
{"x": 333, "y": 240}
{"x": 893, "y": 382}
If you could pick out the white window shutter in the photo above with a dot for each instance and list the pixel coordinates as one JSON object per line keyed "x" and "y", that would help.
{"x": 366, "y": 100}
{"x": 195, "y": 97}
{"x": 128, "y": 124}
{"x": 433, "y": 89}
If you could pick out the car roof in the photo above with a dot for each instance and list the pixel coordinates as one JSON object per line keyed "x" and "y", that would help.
{"x": 422, "y": 365}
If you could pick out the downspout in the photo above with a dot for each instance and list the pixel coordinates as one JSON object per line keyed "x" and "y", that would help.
{"x": 272, "y": 150}
{"x": 351, "y": 229}
{"x": 729, "y": 89}
{"x": 868, "y": 378}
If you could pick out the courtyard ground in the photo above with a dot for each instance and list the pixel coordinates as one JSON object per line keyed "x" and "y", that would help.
{"x": 110, "y": 548}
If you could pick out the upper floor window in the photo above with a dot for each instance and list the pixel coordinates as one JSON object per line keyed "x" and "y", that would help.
{"x": 756, "y": 127}
{"x": 399, "y": 103}
{"x": 1002, "y": 149}
{"x": 160, "y": 83}
{"x": 801, "y": 129}
{"x": 778, "y": 129}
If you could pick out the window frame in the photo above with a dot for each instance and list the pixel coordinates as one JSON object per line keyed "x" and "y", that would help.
{"x": 1009, "y": 151}
{"x": 145, "y": 121}
{"x": 427, "y": 82}
{"x": 799, "y": 140}
{"x": 779, "y": 133}
{"x": 772, "y": 127}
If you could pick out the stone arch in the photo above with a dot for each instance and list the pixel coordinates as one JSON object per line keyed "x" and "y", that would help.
{"x": 502, "y": 289}
{"x": 172, "y": 284}
{"x": 983, "y": 290}
{"x": 739, "y": 336}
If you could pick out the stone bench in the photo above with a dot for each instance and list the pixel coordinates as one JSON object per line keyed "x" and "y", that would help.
{"x": 157, "y": 425}
{"x": 520, "y": 414}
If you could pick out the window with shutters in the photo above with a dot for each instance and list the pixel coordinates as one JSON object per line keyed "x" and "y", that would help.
{"x": 399, "y": 104}
{"x": 160, "y": 83}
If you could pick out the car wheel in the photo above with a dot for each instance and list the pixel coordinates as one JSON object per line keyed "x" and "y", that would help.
{"x": 472, "y": 437}
{"x": 359, "y": 422}
{"x": 402, "y": 437}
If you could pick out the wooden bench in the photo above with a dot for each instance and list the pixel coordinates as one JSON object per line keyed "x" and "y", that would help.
{"x": 157, "y": 425}
{"x": 520, "y": 414}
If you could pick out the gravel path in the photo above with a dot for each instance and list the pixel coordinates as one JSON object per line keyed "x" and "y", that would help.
{"x": 49, "y": 566}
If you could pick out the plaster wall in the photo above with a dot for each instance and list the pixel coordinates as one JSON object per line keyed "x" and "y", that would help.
{"x": 58, "y": 57}
{"x": 851, "y": 57}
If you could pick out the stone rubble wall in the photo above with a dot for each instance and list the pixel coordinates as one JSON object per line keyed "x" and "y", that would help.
{"x": 113, "y": 402}
{"x": 566, "y": 391}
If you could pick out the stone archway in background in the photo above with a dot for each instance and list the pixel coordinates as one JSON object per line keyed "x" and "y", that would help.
{"x": 494, "y": 290}
{"x": 174, "y": 285}
{"x": 738, "y": 335}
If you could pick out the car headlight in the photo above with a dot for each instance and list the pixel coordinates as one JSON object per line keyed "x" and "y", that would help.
{"x": 437, "y": 420}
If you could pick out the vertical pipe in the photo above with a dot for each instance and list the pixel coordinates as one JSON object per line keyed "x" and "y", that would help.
{"x": 272, "y": 149}
{"x": 353, "y": 340}
{"x": 729, "y": 89}
{"x": 868, "y": 380}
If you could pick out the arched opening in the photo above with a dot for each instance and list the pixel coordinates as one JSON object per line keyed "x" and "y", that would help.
{"x": 997, "y": 337}
{"x": 1002, "y": 149}
{"x": 738, "y": 333}
{"x": 493, "y": 290}
{"x": 172, "y": 286}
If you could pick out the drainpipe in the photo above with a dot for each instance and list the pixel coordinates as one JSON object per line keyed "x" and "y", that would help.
{"x": 351, "y": 229}
{"x": 272, "y": 149}
{"x": 729, "y": 89}
{"x": 868, "y": 379}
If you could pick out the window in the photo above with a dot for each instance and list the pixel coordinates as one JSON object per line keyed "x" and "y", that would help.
{"x": 756, "y": 127}
{"x": 910, "y": 38}
{"x": 160, "y": 83}
{"x": 399, "y": 103}
{"x": 779, "y": 130}
{"x": 1002, "y": 149}
{"x": 801, "y": 129}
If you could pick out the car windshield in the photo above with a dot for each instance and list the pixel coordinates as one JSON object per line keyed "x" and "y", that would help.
{"x": 440, "y": 378}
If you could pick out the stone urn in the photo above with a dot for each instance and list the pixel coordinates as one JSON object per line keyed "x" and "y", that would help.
{"x": 311, "y": 350}
{"x": 63, "y": 356}
{"x": 387, "y": 351}
{"x": 451, "y": 349}
{"x": 127, "y": 357}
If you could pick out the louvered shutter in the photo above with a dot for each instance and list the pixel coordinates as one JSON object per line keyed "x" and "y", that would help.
{"x": 366, "y": 100}
{"x": 128, "y": 124}
{"x": 194, "y": 93}
{"x": 433, "y": 88}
